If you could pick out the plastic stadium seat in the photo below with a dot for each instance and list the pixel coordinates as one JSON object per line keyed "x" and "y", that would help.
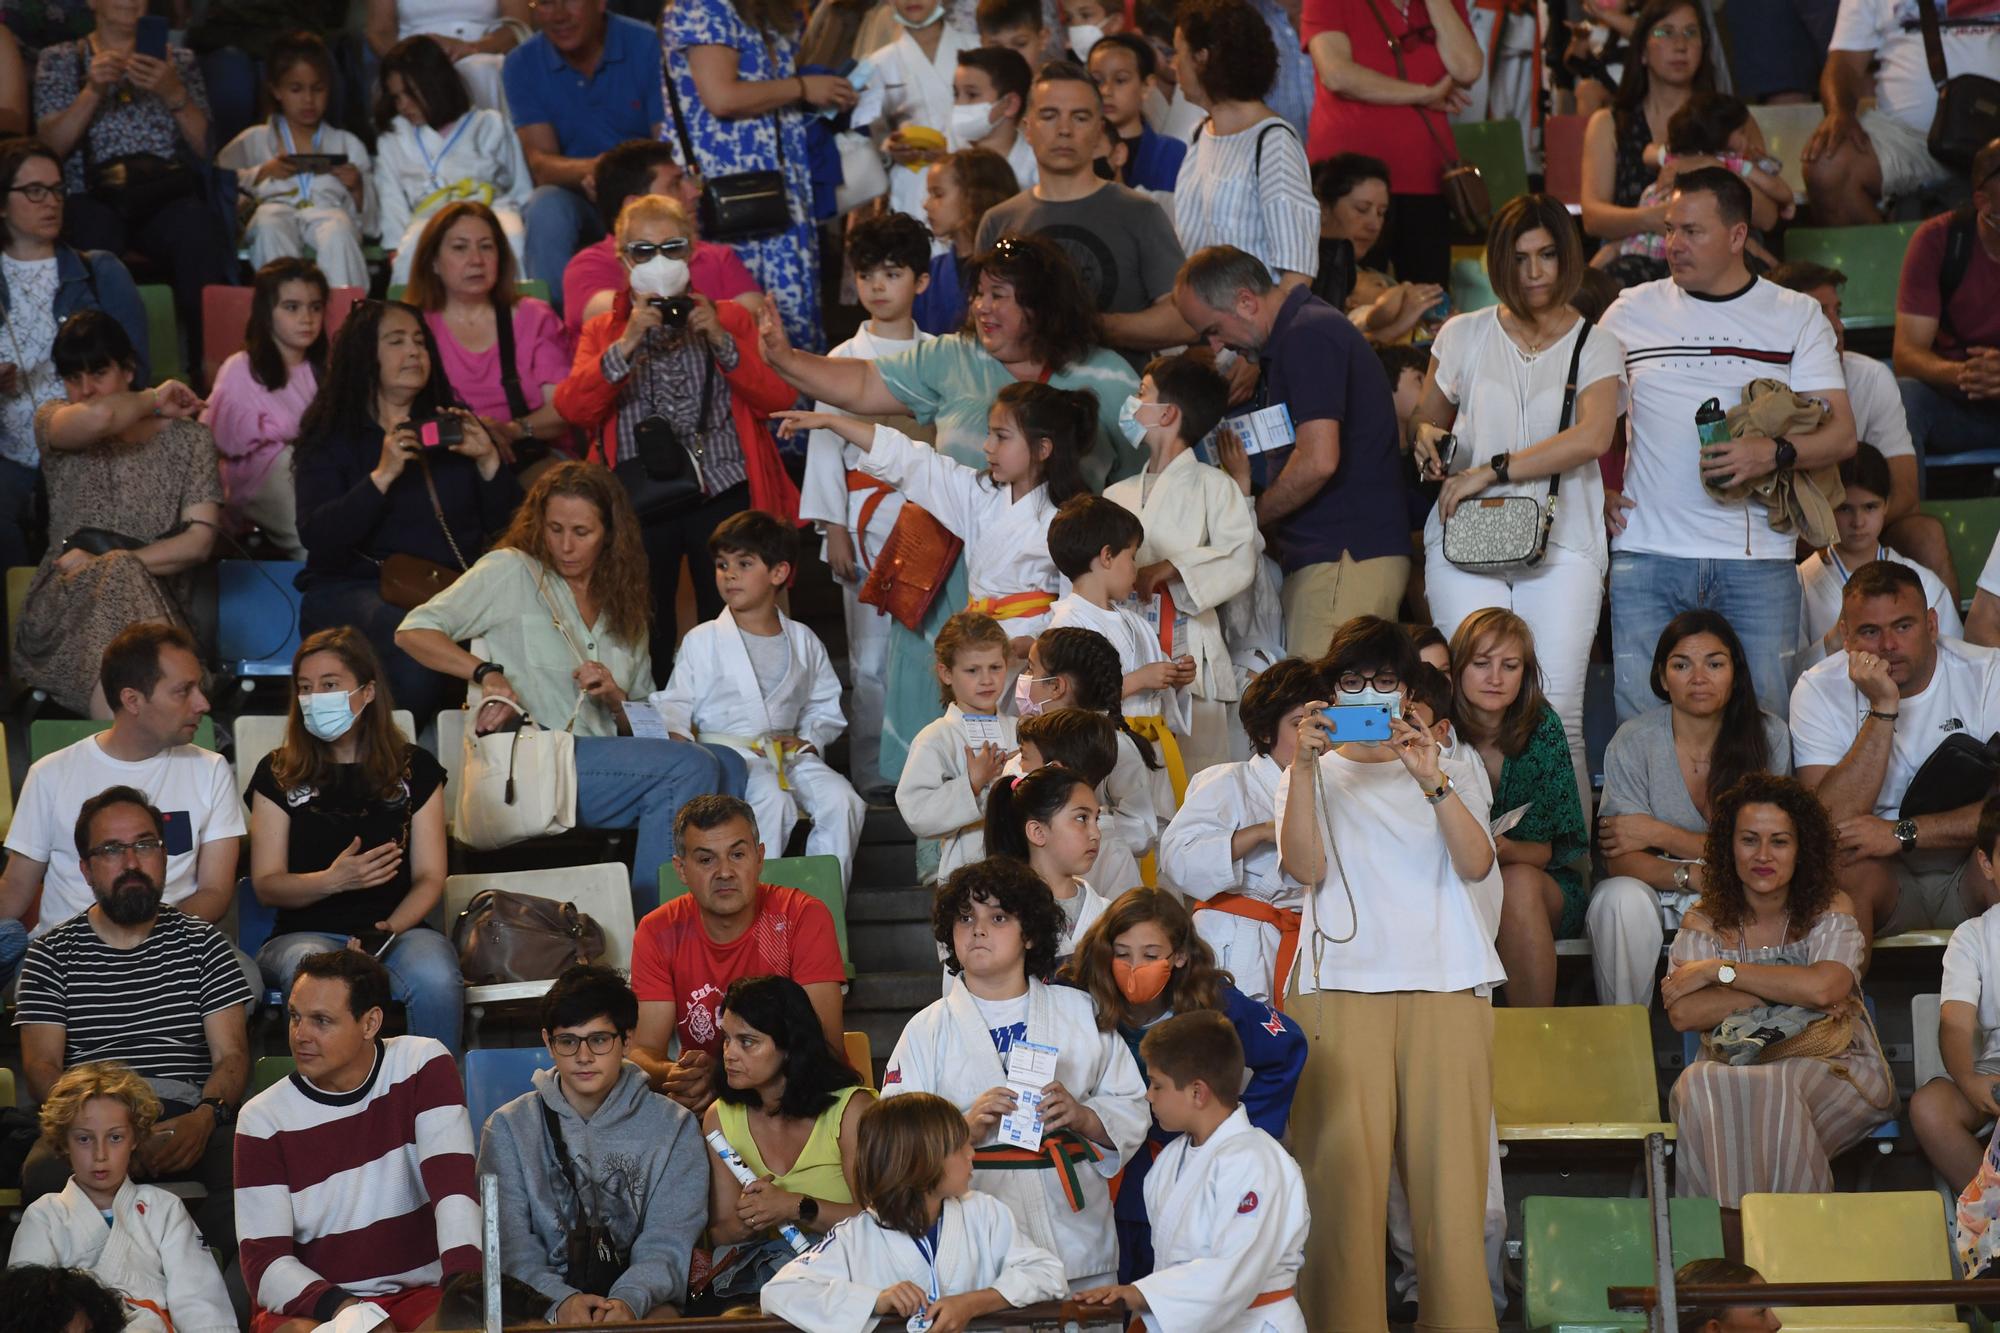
{"x": 1494, "y": 146}
{"x": 18, "y": 579}
{"x": 817, "y": 875}
{"x": 163, "y": 333}
{"x": 46, "y": 735}
{"x": 9, "y": 1199}
{"x": 496, "y": 1075}
{"x": 257, "y": 616}
{"x": 1811, "y": 1238}
{"x": 860, "y": 1056}
{"x": 225, "y": 313}
{"x": 603, "y": 892}
{"x": 1970, "y": 527}
{"x": 1562, "y": 156}
{"x": 254, "y": 921}
{"x": 6, "y": 785}
{"x": 1572, "y": 1249}
{"x": 1884, "y": 1135}
{"x": 1786, "y": 130}
{"x": 257, "y": 734}
{"x": 270, "y": 1070}
{"x": 1870, "y": 256}
{"x": 1582, "y": 1073}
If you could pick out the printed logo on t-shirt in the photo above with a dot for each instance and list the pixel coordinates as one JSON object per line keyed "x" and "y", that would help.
{"x": 178, "y": 828}
{"x": 701, "y": 1012}
{"x": 1004, "y": 1038}
{"x": 1249, "y": 1204}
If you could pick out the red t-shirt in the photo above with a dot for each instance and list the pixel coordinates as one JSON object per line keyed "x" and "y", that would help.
{"x": 674, "y": 960}
{"x": 714, "y": 271}
{"x": 1975, "y": 302}
{"x": 1393, "y": 133}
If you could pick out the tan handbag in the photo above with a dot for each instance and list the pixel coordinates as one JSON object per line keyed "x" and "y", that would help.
{"x": 517, "y": 784}
{"x": 504, "y": 937}
{"x": 408, "y": 581}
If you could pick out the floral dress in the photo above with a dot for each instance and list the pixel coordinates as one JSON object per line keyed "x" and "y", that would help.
{"x": 1543, "y": 778}
{"x": 786, "y": 265}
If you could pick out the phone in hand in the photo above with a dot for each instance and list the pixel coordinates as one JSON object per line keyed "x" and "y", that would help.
{"x": 441, "y": 432}
{"x": 1357, "y": 722}
{"x": 151, "y": 39}
{"x": 315, "y": 162}
{"x": 376, "y": 942}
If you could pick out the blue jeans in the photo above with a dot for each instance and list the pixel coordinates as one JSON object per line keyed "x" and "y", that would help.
{"x": 1941, "y": 423}
{"x": 423, "y": 974}
{"x": 560, "y": 222}
{"x": 1759, "y": 598}
{"x": 635, "y": 782}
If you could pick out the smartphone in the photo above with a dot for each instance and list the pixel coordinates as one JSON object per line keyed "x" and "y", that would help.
{"x": 376, "y": 942}
{"x": 1357, "y": 722}
{"x": 441, "y": 432}
{"x": 315, "y": 162}
{"x": 152, "y": 37}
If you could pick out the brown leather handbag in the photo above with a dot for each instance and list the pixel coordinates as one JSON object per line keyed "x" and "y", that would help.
{"x": 504, "y": 937}
{"x": 408, "y": 581}
{"x": 1464, "y": 189}
{"x": 910, "y": 570}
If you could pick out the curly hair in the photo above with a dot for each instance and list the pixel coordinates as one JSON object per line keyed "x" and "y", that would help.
{"x": 45, "y": 1296}
{"x": 1723, "y": 899}
{"x": 986, "y": 178}
{"x": 1062, "y": 318}
{"x": 1237, "y": 59}
{"x": 1002, "y": 882}
{"x": 100, "y": 1078}
{"x": 1095, "y": 676}
{"x": 619, "y": 580}
{"x": 1195, "y": 984}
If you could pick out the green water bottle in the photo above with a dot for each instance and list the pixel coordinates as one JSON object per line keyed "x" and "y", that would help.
{"x": 1711, "y": 427}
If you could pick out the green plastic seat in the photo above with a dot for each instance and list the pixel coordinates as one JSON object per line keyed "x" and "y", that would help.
{"x": 1572, "y": 1249}
{"x": 271, "y": 1070}
{"x": 1970, "y": 527}
{"x": 47, "y": 735}
{"x": 1872, "y": 259}
{"x": 163, "y": 333}
{"x": 817, "y": 875}
{"x": 534, "y": 287}
{"x": 1494, "y": 146}
{"x": 1470, "y": 287}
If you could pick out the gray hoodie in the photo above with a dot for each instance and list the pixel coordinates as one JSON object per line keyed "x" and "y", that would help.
{"x": 642, "y": 1161}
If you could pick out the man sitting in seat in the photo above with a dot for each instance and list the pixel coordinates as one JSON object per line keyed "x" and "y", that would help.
{"x": 1947, "y": 350}
{"x": 1863, "y": 723}
{"x": 728, "y": 925}
{"x": 1950, "y": 1114}
{"x": 354, "y": 1177}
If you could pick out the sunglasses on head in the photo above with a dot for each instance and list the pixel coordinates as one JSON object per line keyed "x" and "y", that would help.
{"x": 641, "y": 251}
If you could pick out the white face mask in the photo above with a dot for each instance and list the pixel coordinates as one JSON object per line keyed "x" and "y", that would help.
{"x": 1082, "y": 37}
{"x": 972, "y": 121}
{"x": 924, "y": 22}
{"x": 660, "y": 276}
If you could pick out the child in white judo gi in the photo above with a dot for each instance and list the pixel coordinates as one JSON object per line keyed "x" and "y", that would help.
{"x": 1048, "y": 821}
{"x": 928, "y": 1246}
{"x": 759, "y": 682}
{"x": 950, "y": 768}
{"x": 1227, "y": 1201}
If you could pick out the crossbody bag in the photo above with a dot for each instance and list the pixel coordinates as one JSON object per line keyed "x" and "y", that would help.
{"x": 408, "y": 581}
{"x": 1464, "y": 188}
{"x": 1968, "y": 106}
{"x": 742, "y": 205}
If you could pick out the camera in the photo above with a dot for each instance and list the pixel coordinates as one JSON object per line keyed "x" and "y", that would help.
{"x": 441, "y": 432}
{"x": 674, "y": 310}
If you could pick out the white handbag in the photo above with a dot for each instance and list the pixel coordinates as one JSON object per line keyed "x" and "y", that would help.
{"x": 516, "y": 784}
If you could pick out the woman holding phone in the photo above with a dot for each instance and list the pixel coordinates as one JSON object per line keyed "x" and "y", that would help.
{"x": 347, "y": 835}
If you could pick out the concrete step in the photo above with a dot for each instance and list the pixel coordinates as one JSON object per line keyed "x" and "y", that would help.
{"x": 884, "y": 824}
{"x": 902, "y": 992}
{"x": 884, "y": 864}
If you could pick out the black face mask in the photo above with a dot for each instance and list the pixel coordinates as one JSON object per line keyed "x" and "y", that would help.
{"x": 1105, "y": 171}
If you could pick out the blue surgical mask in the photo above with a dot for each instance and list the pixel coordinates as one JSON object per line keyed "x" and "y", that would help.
{"x": 1390, "y": 699}
{"x": 327, "y": 715}
{"x": 1128, "y": 419}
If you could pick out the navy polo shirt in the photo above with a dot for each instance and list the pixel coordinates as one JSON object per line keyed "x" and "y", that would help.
{"x": 1318, "y": 364}
{"x": 617, "y": 101}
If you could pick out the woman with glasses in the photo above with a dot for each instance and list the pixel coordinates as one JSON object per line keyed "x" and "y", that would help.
{"x": 42, "y": 283}
{"x": 347, "y": 835}
{"x": 673, "y": 393}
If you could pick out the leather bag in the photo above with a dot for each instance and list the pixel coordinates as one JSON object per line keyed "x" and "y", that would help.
{"x": 742, "y": 205}
{"x": 504, "y": 937}
{"x": 1968, "y": 107}
{"x": 408, "y": 581}
{"x": 1465, "y": 190}
{"x": 912, "y": 567}
{"x": 1960, "y": 771}
{"x": 516, "y": 784}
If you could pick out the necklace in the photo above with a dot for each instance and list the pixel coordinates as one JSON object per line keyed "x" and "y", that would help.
{"x": 1529, "y": 338}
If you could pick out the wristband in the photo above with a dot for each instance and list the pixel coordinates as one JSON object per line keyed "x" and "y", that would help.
{"x": 1881, "y": 716}
{"x": 1444, "y": 789}
{"x": 802, "y": 86}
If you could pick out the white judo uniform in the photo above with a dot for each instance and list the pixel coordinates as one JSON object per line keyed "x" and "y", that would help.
{"x": 832, "y": 1288}
{"x": 1229, "y": 1226}
{"x": 1137, "y": 646}
{"x": 1196, "y": 862}
{"x": 306, "y": 211}
{"x": 935, "y": 794}
{"x": 916, "y": 90}
{"x": 826, "y": 496}
{"x": 419, "y": 169}
{"x": 947, "y": 1049}
{"x": 1127, "y": 818}
{"x": 153, "y": 1257}
{"x": 714, "y": 696}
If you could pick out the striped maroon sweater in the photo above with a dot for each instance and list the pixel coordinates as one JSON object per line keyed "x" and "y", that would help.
{"x": 366, "y": 1193}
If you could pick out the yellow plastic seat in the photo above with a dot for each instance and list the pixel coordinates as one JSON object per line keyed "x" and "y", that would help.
{"x": 1575, "y": 1074}
{"x": 8, "y": 1198}
{"x": 860, "y": 1056}
{"x": 1813, "y": 1238}
{"x": 18, "y": 579}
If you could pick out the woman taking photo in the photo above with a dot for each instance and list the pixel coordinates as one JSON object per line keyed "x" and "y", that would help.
{"x": 42, "y": 283}
{"x": 347, "y": 836}
{"x": 790, "y": 1107}
{"x": 564, "y": 608}
{"x": 1663, "y": 772}
{"x": 1772, "y": 934}
{"x": 504, "y": 353}
{"x": 1499, "y": 383}
{"x": 369, "y": 489}
{"x": 695, "y": 384}
{"x": 134, "y": 499}
{"x": 1503, "y": 717}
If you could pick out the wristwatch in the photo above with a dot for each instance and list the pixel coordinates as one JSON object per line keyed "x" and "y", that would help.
{"x": 1682, "y": 874}
{"x": 1499, "y": 463}
{"x": 485, "y": 669}
{"x": 1726, "y": 974}
{"x": 225, "y": 1114}
{"x": 1437, "y": 797}
{"x": 1788, "y": 454}
{"x": 808, "y": 1209}
{"x": 1906, "y": 833}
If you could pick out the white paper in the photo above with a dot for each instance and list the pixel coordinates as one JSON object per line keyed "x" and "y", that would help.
{"x": 868, "y": 107}
{"x": 1152, "y": 610}
{"x": 646, "y": 721}
{"x": 983, "y": 729}
{"x": 362, "y": 1318}
{"x": 1031, "y": 1066}
{"x": 1502, "y": 823}
{"x": 1265, "y": 429}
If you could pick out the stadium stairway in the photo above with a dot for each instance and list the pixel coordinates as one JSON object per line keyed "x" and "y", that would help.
{"x": 889, "y": 935}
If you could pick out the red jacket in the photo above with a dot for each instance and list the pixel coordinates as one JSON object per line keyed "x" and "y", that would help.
{"x": 585, "y": 399}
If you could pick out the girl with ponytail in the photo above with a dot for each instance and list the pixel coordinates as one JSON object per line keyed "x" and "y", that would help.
{"x": 1048, "y": 819}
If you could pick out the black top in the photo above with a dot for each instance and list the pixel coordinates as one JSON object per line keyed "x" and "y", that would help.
{"x": 343, "y": 519}
{"x": 325, "y": 821}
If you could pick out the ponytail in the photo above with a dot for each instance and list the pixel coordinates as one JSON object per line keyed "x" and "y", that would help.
{"x": 1006, "y": 831}
{"x": 1067, "y": 419}
{"x": 1013, "y": 802}
{"x": 1091, "y": 664}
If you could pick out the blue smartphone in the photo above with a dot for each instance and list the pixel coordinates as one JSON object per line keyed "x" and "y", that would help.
{"x": 1357, "y": 722}
{"x": 151, "y": 38}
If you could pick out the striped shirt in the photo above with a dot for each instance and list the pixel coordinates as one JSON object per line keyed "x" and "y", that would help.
{"x": 1253, "y": 190}
{"x": 143, "y": 1006}
{"x": 664, "y": 379}
{"x": 365, "y": 1193}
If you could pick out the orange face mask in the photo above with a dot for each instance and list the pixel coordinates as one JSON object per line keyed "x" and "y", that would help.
{"x": 1142, "y": 983}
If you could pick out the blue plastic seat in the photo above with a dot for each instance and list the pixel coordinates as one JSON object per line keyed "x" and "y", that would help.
{"x": 496, "y": 1075}
{"x": 257, "y": 616}
{"x": 254, "y": 924}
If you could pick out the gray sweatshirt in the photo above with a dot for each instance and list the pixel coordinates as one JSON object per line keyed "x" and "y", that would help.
{"x": 642, "y": 1166}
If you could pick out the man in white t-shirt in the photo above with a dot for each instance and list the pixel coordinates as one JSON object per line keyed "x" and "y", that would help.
{"x": 1950, "y": 1114}
{"x": 1856, "y": 159}
{"x": 152, "y": 679}
{"x": 1982, "y": 622}
{"x": 1706, "y": 332}
{"x": 1863, "y": 723}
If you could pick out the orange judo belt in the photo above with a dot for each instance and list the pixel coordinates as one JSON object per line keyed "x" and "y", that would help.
{"x": 1282, "y": 919}
{"x": 1063, "y": 1152}
{"x": 1014, "y": 605}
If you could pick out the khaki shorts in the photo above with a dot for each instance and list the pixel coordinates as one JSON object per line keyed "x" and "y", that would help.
{"x": 1904, "y": 153}
{"x": 1930, "y": 892}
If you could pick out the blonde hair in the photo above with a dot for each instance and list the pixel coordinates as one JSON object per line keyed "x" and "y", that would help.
{"x": 651, "y": 208}
{"x": 965, "y": 631}
{"x": 103, "y": 1078}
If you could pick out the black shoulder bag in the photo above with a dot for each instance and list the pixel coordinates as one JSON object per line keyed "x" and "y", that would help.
{"x": 593, "y": 1261}
{"x": 527, "y": 450}
{"x": 744, "y": 204}
{"x": 1968, "y": 107}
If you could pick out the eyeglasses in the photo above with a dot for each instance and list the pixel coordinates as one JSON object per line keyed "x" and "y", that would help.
{"x": 36, "y": 192}
{"x": 117, "y": 851}
{"x": 1663, "y": 33}
{"x": 1353, "y": 682}
{"x": 641, "y": 251}
{"x": 566, "y": 1043}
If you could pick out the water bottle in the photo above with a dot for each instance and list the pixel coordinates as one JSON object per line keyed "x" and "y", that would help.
{"x": 1711, "y": 427}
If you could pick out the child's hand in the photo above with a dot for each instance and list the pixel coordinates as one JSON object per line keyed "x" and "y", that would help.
{"x": 1233, "y": 458}
{"x": 1061, "y": 1110}
{"x": 1183, "y": 671}
{"x": 1018, "y": 646}
{"x": 987, "y": 1108}
{"x": 349, "y": 175}
{"x": 905, "y": 1299}
{"x": 1156, "y": 576}
{"x": 983, "y": 765}
{"x": 1153, "y": 676}
{"x": 840, "y": 553}
{"x": 792, "y": 744}
{"x": 277, "y": 169}
{"x": 1121, "y": 1294}
{"x": 797, "y": 421}
{"x": 953, "y": 1313}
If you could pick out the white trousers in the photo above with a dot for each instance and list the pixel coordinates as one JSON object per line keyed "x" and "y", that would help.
{"x": 1560, "y": 599}
{"x": 1626, "y": 922}
{"x": 822, "y": 794}
{"x": 1402, "y": 1241}
{"x": 280, "y": 231}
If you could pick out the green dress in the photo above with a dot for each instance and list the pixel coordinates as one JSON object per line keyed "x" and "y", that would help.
{"x": 1542, "y": 778}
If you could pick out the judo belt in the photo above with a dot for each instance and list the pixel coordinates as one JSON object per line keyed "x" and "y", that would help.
{"x": 1166, "y": 623}
{"x": 1014, "y": 605}
{"x": 1062, "y": 1152}
{"x": 768, "y": 746}
{"x": 882, "y": 490}
{"x": 1273, "y": 1297}
{"x": 1154, "y": 729}
{"x": 1282, "y": 919}
{"x": 158, "y": 1312}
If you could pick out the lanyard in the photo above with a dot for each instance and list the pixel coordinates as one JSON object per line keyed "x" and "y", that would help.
{"x": 431, "y": 164}
{"x": 927, "y": 1247}
{"x": 285, "y": 137}
{"x": 1833, "y": 558}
